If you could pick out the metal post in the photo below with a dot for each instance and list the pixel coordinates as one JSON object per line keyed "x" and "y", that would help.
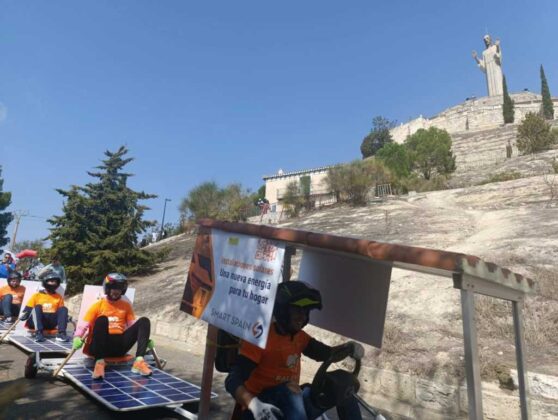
{"x": 207, "y": 374}
{"x": 289, "y": 252}
{"x": 472, "y": 365}
{"x": 163, "y": 221}
{"x": 521, "y": 370}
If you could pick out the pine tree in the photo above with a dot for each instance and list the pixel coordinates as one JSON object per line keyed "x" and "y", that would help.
{"x": 5, "y": 217}
{"x": 98, "y": 231}
{"x": 547, "y": 105}
{"x": 508, "y": 105}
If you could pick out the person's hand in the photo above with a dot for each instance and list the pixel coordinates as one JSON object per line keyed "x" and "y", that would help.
{"x": 150, "y": 344}
{"x": 357, "y": 351}
{"x": 474, "y": 54}
{"x": 77, "y": 343}
{"x": 264, "y": 411}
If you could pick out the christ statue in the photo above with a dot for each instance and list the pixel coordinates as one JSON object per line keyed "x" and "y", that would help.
{"x": 491, "y": 65}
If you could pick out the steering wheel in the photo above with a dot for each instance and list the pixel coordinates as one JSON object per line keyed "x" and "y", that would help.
{"x": 330, "y": 389}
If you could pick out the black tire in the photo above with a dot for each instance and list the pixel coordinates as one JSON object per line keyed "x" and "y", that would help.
{"x": 31, "y": 367}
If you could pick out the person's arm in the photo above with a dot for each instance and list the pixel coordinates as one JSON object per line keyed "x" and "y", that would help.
{"x": 317, "y": 350}
{"x": 321, "y": 352}
{"x": 234, "y": 383}
{"x": 26, "y": 312}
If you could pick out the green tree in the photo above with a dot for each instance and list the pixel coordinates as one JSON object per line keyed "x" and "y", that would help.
{"x": 36, "y": 245}
{"x": 396, "y": 157}
{"x": 547, "y": 105}
{"x": 208, "y": 200}
{"x": 5, "y": 217}
{"x": 430, "y": 152}
{"x": 508, "y": 108}
{"x": 292, "y": 199}
{"x": 378, "y": 137}
{"x": 534, "y": 134}
{"x": 352, "y": 182}
{"x": 99, "y": 228}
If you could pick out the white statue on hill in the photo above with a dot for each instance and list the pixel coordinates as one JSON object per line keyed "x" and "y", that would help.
{"x": 491, "y": 65}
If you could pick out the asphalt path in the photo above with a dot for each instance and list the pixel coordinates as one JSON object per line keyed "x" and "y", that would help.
{"x": 47, "y": 398}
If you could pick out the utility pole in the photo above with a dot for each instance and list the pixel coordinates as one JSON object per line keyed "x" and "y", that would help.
{"x": 18, "y": 214}
{"x": 163, "y": 221}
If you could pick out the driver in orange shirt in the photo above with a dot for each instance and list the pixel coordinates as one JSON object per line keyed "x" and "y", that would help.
{"x": 113, "y": 329}
{"x": 265, "y": 382}
{"x": 11, "y": 297}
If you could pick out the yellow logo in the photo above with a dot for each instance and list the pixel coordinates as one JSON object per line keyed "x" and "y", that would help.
{"x": 233, "y": 240}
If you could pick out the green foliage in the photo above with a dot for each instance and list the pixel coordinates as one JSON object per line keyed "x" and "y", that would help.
{"x": 547, "y": 105}
{"x": 430, "y": 152}
{"x": 396, "y": 158}
{"x": 208, "y": 200}
{"x": 98, "y": 230}
{"x": 416, "y": 182}
{"x": 260, "y": 194}
{"x": 5, "y": 217}
{"x": 352, "y": 182}
{"x": 37, "y": 245}
{"x": 502, "y": 176}
{"x": 508, "y": 108}
{"x": 293, "y": 200}
{"x": 534, "y": 134}
{"x": 378, "y": 137}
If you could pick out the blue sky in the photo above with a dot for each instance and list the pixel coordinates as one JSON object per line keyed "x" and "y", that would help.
{"x": 231, "y": 91}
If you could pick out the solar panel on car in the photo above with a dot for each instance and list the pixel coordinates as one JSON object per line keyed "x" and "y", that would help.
{"x": 123, "y": 390}
{"x": 5, "y": 325}
{"x": 28, "y": 343}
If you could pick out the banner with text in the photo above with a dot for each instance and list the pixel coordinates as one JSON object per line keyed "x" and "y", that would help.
{"x": 232, "y": 282}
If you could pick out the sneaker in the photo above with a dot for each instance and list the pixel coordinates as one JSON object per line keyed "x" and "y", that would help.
{"x": 39, "y": 337}
{"x": 9, "y": 320}
{"x": 140, "y": 366}
{"x": 99, "y": 371}
{"x": 61, "y": 336}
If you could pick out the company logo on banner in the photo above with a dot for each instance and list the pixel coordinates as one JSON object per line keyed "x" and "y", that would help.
{"x": 232, "y": 283}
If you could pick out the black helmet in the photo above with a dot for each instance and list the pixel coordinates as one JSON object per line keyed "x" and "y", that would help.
{"x": 294, "y": 293}
{"x": 49, "y": 277}
{"x": 115, "y": 281}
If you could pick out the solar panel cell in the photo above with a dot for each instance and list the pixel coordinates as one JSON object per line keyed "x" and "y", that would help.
{"x": 123, "y": 390}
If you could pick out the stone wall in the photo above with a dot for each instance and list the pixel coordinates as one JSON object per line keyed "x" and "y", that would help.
{"x": 473, "y": 115}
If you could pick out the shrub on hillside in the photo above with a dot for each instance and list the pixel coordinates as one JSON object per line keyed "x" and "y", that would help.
{"x": 293, "y": 199}
{"x": 502, "y": 176}
{"x": 419, "y": 184}
{"x": 352, "y": 182}
{"x": 534, "y": 135}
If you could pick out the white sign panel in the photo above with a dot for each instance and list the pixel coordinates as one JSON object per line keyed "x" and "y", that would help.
{"x": 233, "y": 286}
{"x": 354, "y": 294}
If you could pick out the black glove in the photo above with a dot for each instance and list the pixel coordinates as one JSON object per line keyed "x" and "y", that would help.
{"x": 350, "y": 348}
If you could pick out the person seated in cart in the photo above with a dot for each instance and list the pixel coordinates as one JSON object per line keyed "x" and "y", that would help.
{"x": 47, "y": 307}
{"x": 11, "y": 297}
{"x": 113, "y": 329}
{"x": 265, "y": 382}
